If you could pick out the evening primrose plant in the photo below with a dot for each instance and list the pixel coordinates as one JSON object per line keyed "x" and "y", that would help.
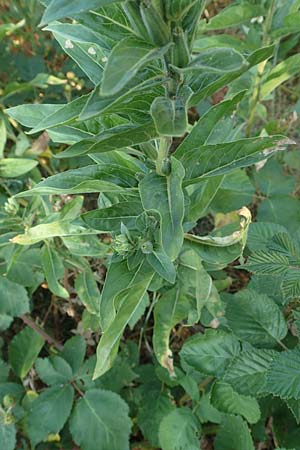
{"x": 152, "y": 155}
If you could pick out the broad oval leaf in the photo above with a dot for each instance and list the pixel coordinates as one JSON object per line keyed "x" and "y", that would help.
{"x": 180, "y": 430}
{"x": 23, "y": 351}
{"x": 49, "y": 412}
{"x": 233, "y": 434}
{"x": 255, "y": 318}
{"x": 210, "y": 353}
{"x": 283, "y": 376}
{"x": 100, "y": 421}
{"x": 226, "y": 400}
{"x": 15, "y": 167}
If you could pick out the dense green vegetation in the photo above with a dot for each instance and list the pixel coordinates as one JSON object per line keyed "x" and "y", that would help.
{"x": 149, "y": 225}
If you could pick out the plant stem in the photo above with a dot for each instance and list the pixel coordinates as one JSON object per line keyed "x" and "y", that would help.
{"x": 31, "y": 323}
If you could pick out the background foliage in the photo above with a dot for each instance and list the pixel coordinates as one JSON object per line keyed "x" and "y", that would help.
{"x": 209, "y": 339}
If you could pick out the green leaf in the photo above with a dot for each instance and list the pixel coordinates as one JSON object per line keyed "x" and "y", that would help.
{"x": 14, "y": 302}
{"x": 234, "y": 15}
{"x": 110, "y": 219}
{"x": 74, "y": 352}
{"x": 88, "y": 56}
{"x": 64, "y": 114}
{"x": 128, "y": 302}
{"x": 54, "y": 270}
{"x": 23, "y": 351}
{"x": 220, "y": 248}
{"x": 255, "y": 318}
{"x": 88, "y": 291}
{"x": 226, "y": 400}
{"x": 112, "y": 139}
{"x": 267, "y": 262}
{"x": 210, "y": 353}
{"x": 194, "y": 282}
{"x": 179, "y": 430}
{"x": 7, "y": 434}
{"x": 170, "y": 115}
{"x": 206, "y": 84}
{"x": 201, "y": 161}
{"x": 170, "y": 309}
{"x": 54, "y": 370}
{"x": 58, "y": 9}
{"x": 49, "y": 412}
{"x": 118, "y": 279}
{"x": 202, "y": 130}
{"x": 283, "y": 377}
{"x": 233, "y": 434}
{"x": 53, "y": 229}
{"x": 15, "y": 167}
{"x": 95, "y": 178}
{"x": 126, "y": 59}
{"x": 247, "y": 371}
{"x": 165, "y": 195}
{"x": 152, "y": 412}
{"x": 217, "y": 60}
{"x": 100, "y": 421}
{"x": 31, "y": 115}
{"x": 280, "y": 73}
{"x": 162, "y": 265}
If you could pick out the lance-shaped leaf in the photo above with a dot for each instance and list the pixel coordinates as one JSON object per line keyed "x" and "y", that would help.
{"x": 178, "y": 430}
{"x": 15, "y": 167}
{"x": 217, "y": 60}
{"x": 112, "y": 139}
{"x": 66, "y": 113}
{"x": 210, "y": 353}
{"x": 226, "y": 400}
{"x": 110, "y": 219}
{"x": 280, "y": 73}
{"x": 44, "y": 231}
{"x": 100, "y": 420}
{"x": 171, "y": 308}
{"x": 194, "y": 282}
{"x": 95, "y": 178}
{"x": 125, "y": 60}
{"x": 118, "y": 278}
{"x": 201, "y": 161}
{"x": 207, "y": 124}
{"x": 205, "y": 84}
{"x": 165, "y": 195}
{"x": 31, "y": 115}
{"x": 162, "y": 265}
{"x": 127, "y": 302}
{"x": 54, "y": 270}
{"x": 256, "y": 318}
{"x": 135, "y": 99}
{"x": 234, "y": 15}
{"x": 88, "y": 291}
{"x": 58, "y": 9}
{"x": 88, "y": 56}
{"x": 170, "y": 114}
